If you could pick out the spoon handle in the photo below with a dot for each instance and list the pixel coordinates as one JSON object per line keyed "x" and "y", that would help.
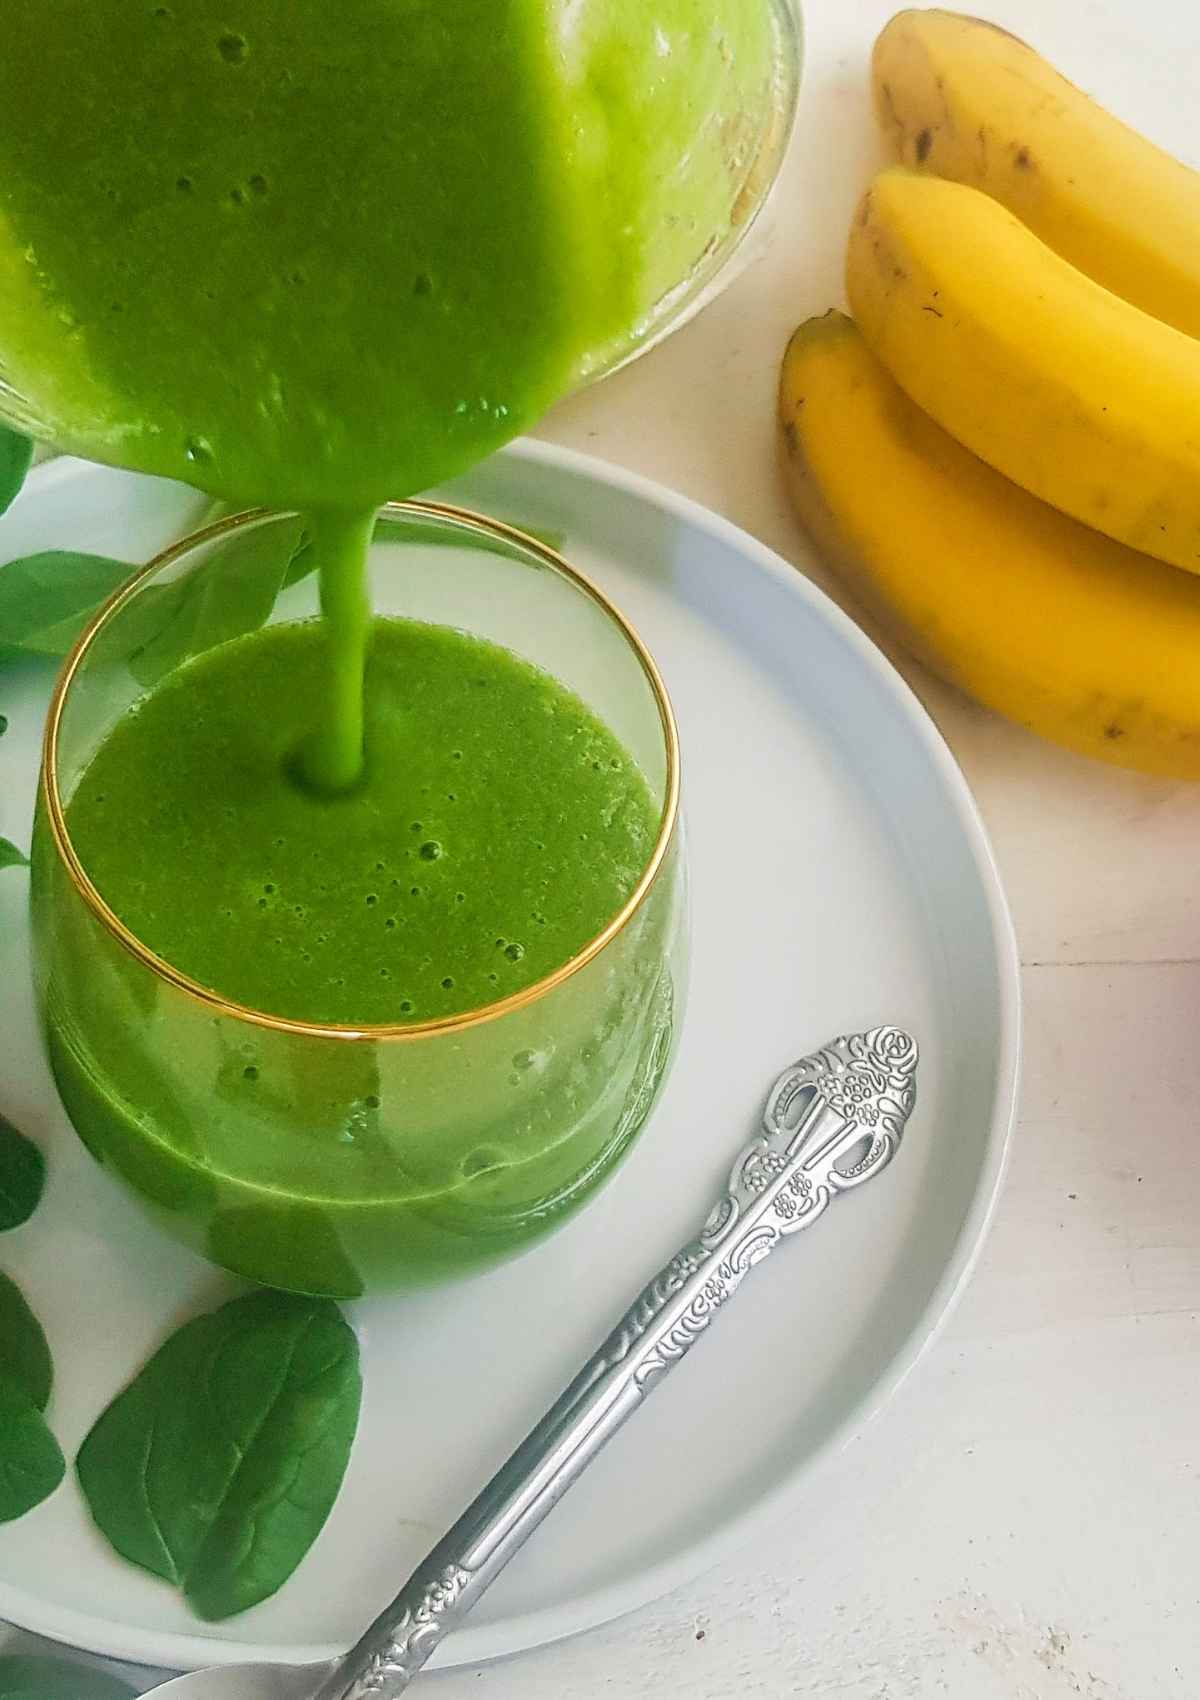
{"x": 831, "y": 1122}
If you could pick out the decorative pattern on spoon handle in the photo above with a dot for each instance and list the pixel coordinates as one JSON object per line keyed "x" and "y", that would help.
{"x": 831, "y": 1122}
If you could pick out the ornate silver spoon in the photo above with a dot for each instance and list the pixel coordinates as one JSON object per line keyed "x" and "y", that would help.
{"x": 831, "y": 1122}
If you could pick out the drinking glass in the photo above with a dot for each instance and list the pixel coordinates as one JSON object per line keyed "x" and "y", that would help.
{"x": 334, "y": 1159}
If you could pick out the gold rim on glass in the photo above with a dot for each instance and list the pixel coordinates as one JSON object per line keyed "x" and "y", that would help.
{"x": 328, "y": 1030}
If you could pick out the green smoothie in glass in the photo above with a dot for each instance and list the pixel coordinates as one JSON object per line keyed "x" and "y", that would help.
{"x": 343, "y": 1041}
{"x": 497, "y": 828}
{"x": 318, "y": 257}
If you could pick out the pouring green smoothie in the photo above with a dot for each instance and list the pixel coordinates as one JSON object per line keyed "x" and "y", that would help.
{"x": 321, "y": 256}
{"x": 318, "y": 257}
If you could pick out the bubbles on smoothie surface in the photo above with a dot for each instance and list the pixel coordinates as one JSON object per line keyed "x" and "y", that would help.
{"x": 411, "y": 899}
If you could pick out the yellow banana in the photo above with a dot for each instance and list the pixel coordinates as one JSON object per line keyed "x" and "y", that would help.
{"x": 962, "y": 98}
{"x": 1068, "y": 390}
{"x": 1049, "y": 623}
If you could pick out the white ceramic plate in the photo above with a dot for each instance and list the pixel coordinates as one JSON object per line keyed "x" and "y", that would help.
{"x": 841, "y": 877}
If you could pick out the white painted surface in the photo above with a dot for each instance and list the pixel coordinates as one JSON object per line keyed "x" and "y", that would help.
{"x": 1024, "y": 1524}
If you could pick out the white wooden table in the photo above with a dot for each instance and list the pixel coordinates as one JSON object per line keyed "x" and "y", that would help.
{"x": 1024, "y": 1521}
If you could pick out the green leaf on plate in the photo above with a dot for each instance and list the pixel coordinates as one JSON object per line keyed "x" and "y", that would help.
{"x": 3, "y": 724}
{"x": 22, "y": 1177}
{"x": 24, "y": 1354}
{"x": 47, "y": 599}
{"x": 31, "y": 1460}
{"x": 218, "y": 1465}
{"x": 224, "y": 597}
{"x": 260, "y": 1241}
{"x": 552, "y": 539}
{"x": 303, "y": 562}
{"x": 16, "y": 453}
{"x": 443, "y": 535}
{"x": 10, "y": 856}
{"x": 25, "y": 1676}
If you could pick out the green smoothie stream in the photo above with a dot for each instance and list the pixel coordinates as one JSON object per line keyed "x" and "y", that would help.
{"x": 323, "y": 256}
{"x": 318, "y": 257}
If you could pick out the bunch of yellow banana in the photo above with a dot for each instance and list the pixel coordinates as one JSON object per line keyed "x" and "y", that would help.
{"x": 1056, "y": 347}
{"x": 963, "y": 99}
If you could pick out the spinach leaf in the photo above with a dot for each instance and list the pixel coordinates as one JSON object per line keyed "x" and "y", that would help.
{"x": 552, "y": 539}
{"x": 218, "y": 1465}
{"x": 3, "y": 724}
{"x": 22, "y": 1176}
{"x": 441, "y": 535}
{"x": 303, "y": 562}
{"x": 24, "y": 1354}
{"x": 47, "y": 599}
{"x": 10, "y": 856}
{"x": 223, "y": 598}
{"x": 28, "y": 1677}
{"x": 31, "y": 1461}
{"x": 260, "y": 1241}
{"x": 16, "y": 453}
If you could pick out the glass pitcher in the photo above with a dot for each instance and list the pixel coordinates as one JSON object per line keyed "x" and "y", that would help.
{"x": 694, "y": 101}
